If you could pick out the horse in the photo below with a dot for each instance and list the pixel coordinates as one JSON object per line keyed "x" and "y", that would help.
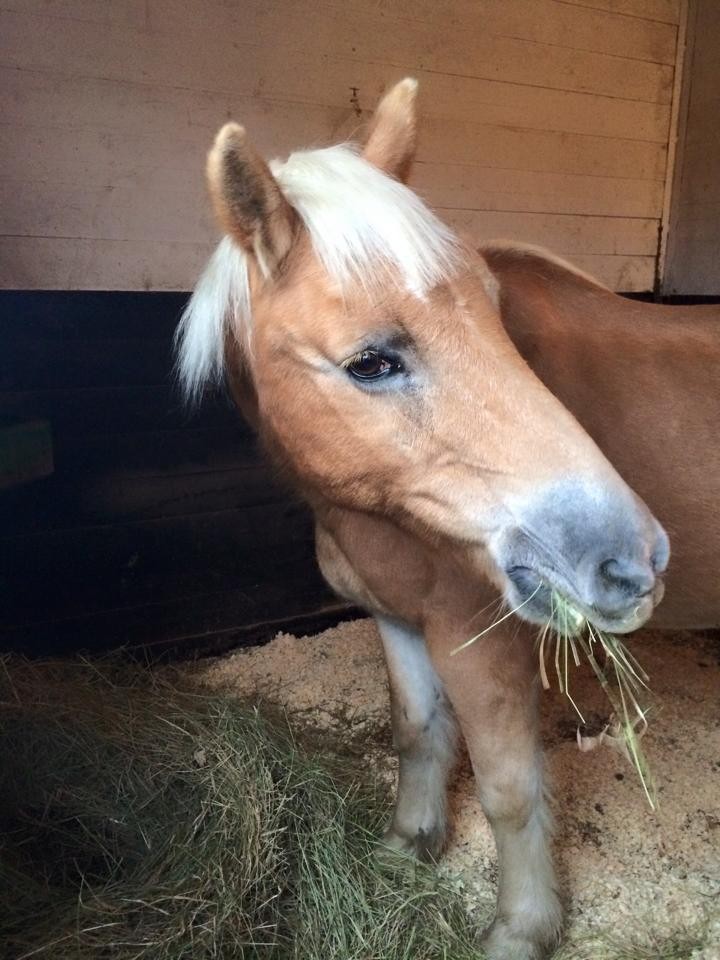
{"x": 399, "y": 379}
{"x": 644, "y": 380}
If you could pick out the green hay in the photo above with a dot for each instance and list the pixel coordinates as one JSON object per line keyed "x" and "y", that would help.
{"x": 140, "y": 819}
{"x": 622, "y": 679}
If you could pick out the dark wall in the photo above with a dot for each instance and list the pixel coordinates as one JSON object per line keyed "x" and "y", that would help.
{"x": 158, "y": 526}
{"x": 693, "y": 238}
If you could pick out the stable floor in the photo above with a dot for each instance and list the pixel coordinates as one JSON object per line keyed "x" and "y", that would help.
{"x": 637, "y": 884}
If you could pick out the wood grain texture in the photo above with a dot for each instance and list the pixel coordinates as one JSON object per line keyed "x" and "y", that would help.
{"x": 544, "y": 107}
{"x": 665, "y": 11}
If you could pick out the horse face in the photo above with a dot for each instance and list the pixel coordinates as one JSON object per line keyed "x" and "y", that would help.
{"x": 421, "y": 409}
{"x": 394, "y": 391}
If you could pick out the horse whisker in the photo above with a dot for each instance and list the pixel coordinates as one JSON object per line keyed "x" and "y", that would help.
{"x": 495, "y": 623}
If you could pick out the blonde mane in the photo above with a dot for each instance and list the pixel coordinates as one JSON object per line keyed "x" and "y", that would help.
{"x": 365, "y": 228}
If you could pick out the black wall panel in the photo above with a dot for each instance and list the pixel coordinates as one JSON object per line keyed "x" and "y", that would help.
{"x": 158, "y": 526}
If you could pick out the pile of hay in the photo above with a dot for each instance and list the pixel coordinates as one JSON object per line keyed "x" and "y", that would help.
{"x": 142, "y": 819}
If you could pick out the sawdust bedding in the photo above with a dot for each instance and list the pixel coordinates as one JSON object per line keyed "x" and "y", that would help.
{"x": 623, "y": 868}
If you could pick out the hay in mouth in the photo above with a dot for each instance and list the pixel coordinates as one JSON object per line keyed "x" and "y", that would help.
{"x": 622, "y": 679}
{"x": 569, "y": 636}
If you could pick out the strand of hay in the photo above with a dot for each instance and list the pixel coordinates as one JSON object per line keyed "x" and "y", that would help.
{"x": 141, "y": 819}
{"x": 621, "y": 678}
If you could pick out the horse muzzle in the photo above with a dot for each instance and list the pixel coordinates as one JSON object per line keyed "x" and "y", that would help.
{"x": 602, "y": 559}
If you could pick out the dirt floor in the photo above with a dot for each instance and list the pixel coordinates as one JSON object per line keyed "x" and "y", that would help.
{"x": 646, "y": 881}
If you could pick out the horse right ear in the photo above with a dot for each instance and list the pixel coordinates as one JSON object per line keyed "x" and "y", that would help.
{"x": 392, "y": 136}
{"x": 248, "y": 201}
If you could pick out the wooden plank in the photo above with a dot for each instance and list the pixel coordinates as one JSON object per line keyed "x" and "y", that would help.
{"x": 60, "y": 108}
{"x": 664, "y": 11}
{"x": 101, "y": 116}
{"x": 34, "y": 364}
{"x": 136, "y": 12}
{"x": 497, "y": 102}
{"x": 228, "y": 63}
{"x": 563, "y": 234}
{"x": 66, "y": 263}
{"x": 110, "y": 212}
{"x": 194, "y": 625}
{"x": 181, "y": 211}
{"x": 67, "y": 503}
{"x": 97, "y": 207}
{"x": 71, "y": 316}
{"x": 623, "y": 273}
{"x": 151, "y": 454}
{"x": 78, "y": 212}
{"x": 442, "y": 141}
{"x": 468, "y": 187}
{"x": 676, "y": 133}
{"x": 699, "y": 238}
{"x": 128, "y": 13}
{"x": 62, "y": 272}
{"x": 371, "y": 31}
{"x": 90, "y": 569}
{"x": 25, "y": 452}
{"x": 110, "y": 410}
{"x": 538, "y": 21}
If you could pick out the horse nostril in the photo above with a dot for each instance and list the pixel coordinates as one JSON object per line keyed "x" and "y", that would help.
{"x": 632, "y": 579}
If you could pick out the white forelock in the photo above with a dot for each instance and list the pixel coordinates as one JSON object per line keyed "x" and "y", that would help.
{"x": 365, "y": 228}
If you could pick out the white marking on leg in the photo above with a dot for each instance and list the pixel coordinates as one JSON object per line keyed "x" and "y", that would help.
{"x": 425, "y": 736}
{"x": 529, "y": 914}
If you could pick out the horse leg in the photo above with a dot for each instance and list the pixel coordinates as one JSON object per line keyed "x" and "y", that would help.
{"x": 492, "y": 687}
{"x": 424, "y": 735}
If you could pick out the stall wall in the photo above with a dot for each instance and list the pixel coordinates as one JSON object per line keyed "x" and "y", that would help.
{"x": 544, "y": 120}
{"x": 693, "y": 265}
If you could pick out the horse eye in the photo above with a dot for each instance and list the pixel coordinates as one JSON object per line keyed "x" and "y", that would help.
{"x": 372, "y": 365}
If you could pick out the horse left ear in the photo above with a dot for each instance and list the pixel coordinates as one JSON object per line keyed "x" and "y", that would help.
{"x": 390, "y": 143}
{"x": 248, "y": 201}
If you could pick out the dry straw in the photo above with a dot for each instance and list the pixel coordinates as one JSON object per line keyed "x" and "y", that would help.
{"x": 143, "y": 820}
{"x": 622, "y": 679}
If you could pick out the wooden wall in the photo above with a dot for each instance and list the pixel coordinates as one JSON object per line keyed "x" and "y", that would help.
{"x": 545, "y": 120}
{"x": 157, "y": 526}
{"x": 693, "y": 261}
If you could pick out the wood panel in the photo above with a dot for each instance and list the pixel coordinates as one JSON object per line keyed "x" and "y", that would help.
{"x": 86, "y": 569}
{"x": 599, "y": 236}
{"x": 665, "y": 11}
{"x": 65, "y": 501}
{"x": 260, "y": 48}
{"x": 71, "y": 108}
{"x": 155, "y": 524}
{"x": 544, "y": 107}
{"x": 462, "y": 187}
{"x": 693, "y": 266}
{"x": 78, "y": 263}
{"x": 189, "y": 625}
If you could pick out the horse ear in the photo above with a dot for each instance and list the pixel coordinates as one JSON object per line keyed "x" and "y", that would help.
{"x": 247, "y": 199}
{"x": 390, "y": 143}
